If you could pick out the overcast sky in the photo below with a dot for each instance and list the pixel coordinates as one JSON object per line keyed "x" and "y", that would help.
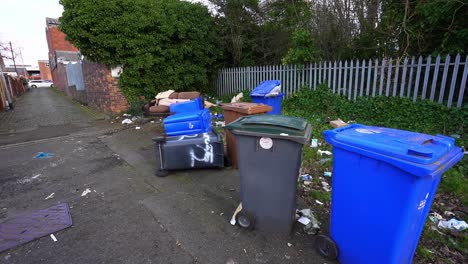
{"x": 23, "y": 23}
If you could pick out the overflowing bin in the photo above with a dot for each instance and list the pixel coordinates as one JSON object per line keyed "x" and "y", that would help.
{"x": 269, "y": 155}
{"x": 384, "y": 181}
{"x": 269, "y": 93}
{"x": 233, "y": 111}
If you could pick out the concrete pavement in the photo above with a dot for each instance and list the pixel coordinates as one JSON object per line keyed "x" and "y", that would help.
{"x": 130, "y": 216}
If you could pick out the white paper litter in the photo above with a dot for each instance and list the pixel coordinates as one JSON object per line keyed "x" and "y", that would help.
{"x": 53, "y": 237}
{"x": 50, "y": 196}
{"x": 453, "y": 224}
{"x": 85, "y": 192}
{"x": 127, "y": 121}
{"x": 319, "y": 202}
{"x": 304, "y": 220}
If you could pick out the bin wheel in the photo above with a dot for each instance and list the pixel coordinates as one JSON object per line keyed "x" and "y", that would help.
{"x": 245, "y": 220}
{"x": 326, "y": 247}
{"x": 162, "y": 173}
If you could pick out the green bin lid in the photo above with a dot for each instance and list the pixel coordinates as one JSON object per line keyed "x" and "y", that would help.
{"x": 277, "y": 126}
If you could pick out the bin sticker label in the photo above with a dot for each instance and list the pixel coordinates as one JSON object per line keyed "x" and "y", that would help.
{"x": 190, "y": 125}
{"x": 422, "y": 203}
{"x": 266, "y": 142}
{"x": 367, "y": 131}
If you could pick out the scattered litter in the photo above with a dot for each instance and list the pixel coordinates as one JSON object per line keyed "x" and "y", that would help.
{"x": 233, "y": 219}
{"x": 127, "y": 121}
{"x": 220, "y": 123}
{"x": 319, "y": 202}
{"x": 221, "y": 214}
{"x": 326, "y": 152}
{"x": 323, "y": 161}
{"x": 303, "y": 220}
{"x": 327, "y": 174}
{"x": 455, "y": 136}
{"x": 314, "y": 143}
{"x": 85, "y": 192}
{"x": 437, "y": 216}
{"x": 137, "y": 127}
{"x": 307, "y": 183}
{"x": 245, "y": 251}
{"x": 449, "y": 214}
{"x": 152, "y": 121}
{"x": 53, "y": 237}
{"x": 50, "y": 196}
{"x": 178, "y": 243}
{"x": 220, "y": 116}
{"x": 325, "y": 186}
{"x": 134, "y": 118}
{"x": 126, "y": 115}
{"x": 306, "y": 177}
{"x": 313, "y": 226}
{"x": 236, "y": 98}
{"x": 43, "y": 155}
{"x": 338, "y": 123}
{"x": 212, "y": 212}
{"x": 284, "y": 134}
{"x": 289, "y": 245}
{"x": 287, "y": 257}
{"x": 453, "y": 224}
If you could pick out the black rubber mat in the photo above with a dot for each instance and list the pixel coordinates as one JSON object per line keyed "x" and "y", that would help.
{"x": 24, "y": 228}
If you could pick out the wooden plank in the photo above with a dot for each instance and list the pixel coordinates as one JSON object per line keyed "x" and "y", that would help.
{"x": 363, "y": 71}
{"x": 403, "y": 78}
{"x": 426, "y": 77}
{"x": 382, "y": 73}
{"x": 345, "y": 78}
{"x": 303, "y": 76}
{"x": 410, "y": 81}
{"x": 376, "y": 71}
{"x": 418, "y": 75}
{"x": 389, "y": 78}
{"x": 310, "y": 76}
{"x": 295, "y": 80}
{"x": 334, "y": 77}
{"x": 350, "y": 90}
{"x": 315, "y": 76}
{"x": 444, "y": 79}
{"x": 369, "y": 71}
{"x": 324, "y": 72}
{"x": 454, "y": 80}
{"x": 339, "y": 77}
{"x": 434, "y": 78}
{"x": 356, "y": 81}
{"x": 461, "y": 93}
{"x": 320, "y": 73}
{"x": 395, "y": 80}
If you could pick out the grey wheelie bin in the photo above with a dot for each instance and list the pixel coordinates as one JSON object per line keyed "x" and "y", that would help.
{"x": 269, "y": 156}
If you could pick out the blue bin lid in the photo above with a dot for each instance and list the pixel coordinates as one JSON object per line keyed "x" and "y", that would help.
{"x": 265, "y": 87}
{"x": 415, "y": 152}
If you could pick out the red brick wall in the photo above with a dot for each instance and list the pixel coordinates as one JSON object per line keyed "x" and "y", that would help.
{"x": 102, "y": 89}
{"x": 59, "y": 75}
{"x": 45, "y": 70}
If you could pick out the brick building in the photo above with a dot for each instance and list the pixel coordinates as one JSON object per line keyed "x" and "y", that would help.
{"x": 100, "y": 89}
{"x": 44, "y": 69}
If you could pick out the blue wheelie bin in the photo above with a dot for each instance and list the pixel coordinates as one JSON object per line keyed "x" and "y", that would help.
{"x": 269, "y": 93}
{"x": 384, "y": 182}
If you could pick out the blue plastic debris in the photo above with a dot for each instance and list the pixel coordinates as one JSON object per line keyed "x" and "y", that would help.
{"x": 43, "y": 155}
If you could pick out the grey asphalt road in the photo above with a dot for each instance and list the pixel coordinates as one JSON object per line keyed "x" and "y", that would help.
{"x": 130, "y": 216}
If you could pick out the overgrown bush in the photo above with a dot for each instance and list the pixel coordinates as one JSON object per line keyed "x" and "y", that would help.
{"x": 321, "y": 106}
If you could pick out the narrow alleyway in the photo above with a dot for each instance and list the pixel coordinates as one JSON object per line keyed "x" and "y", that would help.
{"x": 129, "y": 215}
{"x": 43, "y": 113}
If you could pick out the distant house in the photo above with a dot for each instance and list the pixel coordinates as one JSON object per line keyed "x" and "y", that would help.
{"x": 44, "y": 69}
